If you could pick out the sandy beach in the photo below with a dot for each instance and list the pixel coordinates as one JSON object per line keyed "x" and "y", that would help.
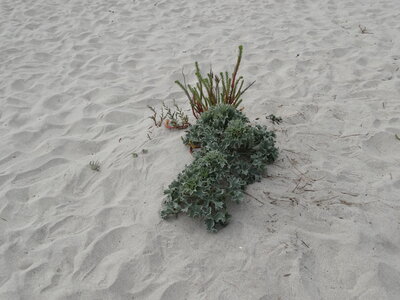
{"x": 75, "y": 81}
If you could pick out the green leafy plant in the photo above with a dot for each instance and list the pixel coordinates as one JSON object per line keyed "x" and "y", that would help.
{"x": 232, "y": 154}
{"x": 213, "y": 89}
{"x": 202, "y": 190}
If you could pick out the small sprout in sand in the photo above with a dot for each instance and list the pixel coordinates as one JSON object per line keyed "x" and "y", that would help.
{"x": 144, "y": 151}
{"x": 158, "y": 118}
{"x": 94, "y": 165}
{"x": 134, "y": 155}
{"x": 274, "y": 119}
{"x": 397, "y": 136}
{"x": 363, "y": 29}
{"x": 176, "y": 119}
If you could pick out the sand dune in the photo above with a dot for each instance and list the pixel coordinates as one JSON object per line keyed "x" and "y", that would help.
{"x": 75, "y": 80}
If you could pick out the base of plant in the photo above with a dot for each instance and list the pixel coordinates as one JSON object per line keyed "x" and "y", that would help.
{"x": 168, "y": 124}
{"x": 193, "y": 148}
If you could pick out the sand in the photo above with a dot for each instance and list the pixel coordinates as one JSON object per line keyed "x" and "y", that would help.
{"x": 75, "y": 80}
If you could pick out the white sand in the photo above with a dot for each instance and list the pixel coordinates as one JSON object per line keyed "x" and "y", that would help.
{"x": 75, "y": 79}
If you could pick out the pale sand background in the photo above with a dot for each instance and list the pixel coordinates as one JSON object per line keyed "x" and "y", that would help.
{"x": 75, "y": 79}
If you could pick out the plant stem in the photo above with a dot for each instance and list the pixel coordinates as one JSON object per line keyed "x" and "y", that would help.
{"x": 235, "y": 72}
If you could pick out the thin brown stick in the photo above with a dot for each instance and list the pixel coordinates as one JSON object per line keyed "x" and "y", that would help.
{"x": 251, "y": 196}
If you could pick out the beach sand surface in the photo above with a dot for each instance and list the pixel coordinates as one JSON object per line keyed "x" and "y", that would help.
{"x": 75, "y": 81}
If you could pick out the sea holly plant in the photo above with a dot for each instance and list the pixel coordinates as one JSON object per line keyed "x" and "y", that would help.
{"x": 211, "y": 90}
{"x": 232, "y": 154}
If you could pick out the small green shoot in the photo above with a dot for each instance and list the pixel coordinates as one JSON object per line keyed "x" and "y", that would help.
{"x": 363, "y": 29}
{"x": 274, "y": 119}
{"x": 94, "y": 165}
{"x": 158, "y": 118}
{"x": 175, "y": 118}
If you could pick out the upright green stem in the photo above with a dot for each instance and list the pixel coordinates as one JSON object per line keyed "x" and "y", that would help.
{"x": 235, "y": 72}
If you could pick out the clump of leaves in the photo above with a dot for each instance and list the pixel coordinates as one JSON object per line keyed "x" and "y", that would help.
{"x": 274, "y": 119}
{"x": 213, "y": 89}
{"x": 203, "y": 189}
{"x": 176, "y": 118}
{"x": 232, "y": 154}
{"x": 94, "y": 165}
